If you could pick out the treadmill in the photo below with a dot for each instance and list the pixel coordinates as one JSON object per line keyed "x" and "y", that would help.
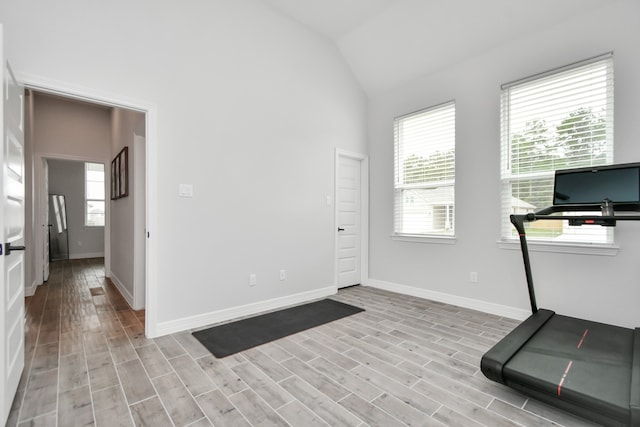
{"x": 587, "y": 368}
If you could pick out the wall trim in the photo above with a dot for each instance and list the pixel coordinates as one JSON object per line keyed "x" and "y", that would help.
{"x": 205, "y": 319}
{"x": 122, "y": 289}
{"x": 86, "y": 255}
{"x": 474, "y": 304}
{"x": 30, "y": 290}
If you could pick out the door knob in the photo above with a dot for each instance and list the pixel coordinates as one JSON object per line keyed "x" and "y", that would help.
{"x": 340, "y": 229}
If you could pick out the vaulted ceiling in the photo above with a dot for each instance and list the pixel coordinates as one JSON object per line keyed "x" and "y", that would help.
{"x": 390, "y": 42}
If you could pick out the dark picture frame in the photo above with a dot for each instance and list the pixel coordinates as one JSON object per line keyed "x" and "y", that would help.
{"x": 114, "y": 180}
{"x": 120, "y": 175}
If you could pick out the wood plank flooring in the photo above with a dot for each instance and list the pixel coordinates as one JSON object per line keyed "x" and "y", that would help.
{"x": 405, "y": 361}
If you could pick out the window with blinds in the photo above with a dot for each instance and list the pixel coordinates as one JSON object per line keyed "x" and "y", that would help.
{"x": 94, "y": 195}
{"x": 562, "y": 119}
{"x": 425, "y": 172}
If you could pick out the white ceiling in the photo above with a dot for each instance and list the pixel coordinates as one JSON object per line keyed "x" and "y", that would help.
{"x": 333, "y": 18}
{"x": 390, "y": 42}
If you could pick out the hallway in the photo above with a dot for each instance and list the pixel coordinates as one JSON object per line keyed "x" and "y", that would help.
{"x": 77, "y": 309}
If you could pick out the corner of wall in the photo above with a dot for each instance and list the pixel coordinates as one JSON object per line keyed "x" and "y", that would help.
{"x": 122, "y": 289}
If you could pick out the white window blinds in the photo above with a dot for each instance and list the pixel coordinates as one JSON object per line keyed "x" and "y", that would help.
{"x": 425, "y": 172}
{"x": 562, "y": 119}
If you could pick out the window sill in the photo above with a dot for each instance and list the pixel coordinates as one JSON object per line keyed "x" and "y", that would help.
{"x": 565, "y": 248}
{"x": 416, "y": 238}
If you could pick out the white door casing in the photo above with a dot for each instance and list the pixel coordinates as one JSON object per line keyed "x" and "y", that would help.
{"x": 45, "y": 220}
{"x": 65, "y": 89}
{"x": 12, "y": 233}
{"x": 351, "y": 204}
{"x": 139, "y": 222}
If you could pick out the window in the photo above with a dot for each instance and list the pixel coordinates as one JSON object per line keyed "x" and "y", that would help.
{"x": 558, "y": 120}
{"x": 425, "y": 172}
{"x": 94, "y": 194}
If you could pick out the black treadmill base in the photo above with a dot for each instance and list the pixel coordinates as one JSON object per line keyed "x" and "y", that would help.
{"x": 580, "y": 366}
{"x": 580, "y": 411}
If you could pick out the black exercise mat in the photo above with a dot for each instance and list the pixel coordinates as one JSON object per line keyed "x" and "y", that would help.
{"x": 231, "y": 338}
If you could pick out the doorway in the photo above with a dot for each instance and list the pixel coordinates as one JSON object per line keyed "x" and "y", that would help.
{"x": 123, "y": 217}
{"x": 351, "y": 218}
{"x": 76, "y": 207}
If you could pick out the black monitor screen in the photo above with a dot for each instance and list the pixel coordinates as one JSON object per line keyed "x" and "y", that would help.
{"x": 587, "y": 186}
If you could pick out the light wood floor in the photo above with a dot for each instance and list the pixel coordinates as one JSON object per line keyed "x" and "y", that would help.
{"x": 404, "y": 361}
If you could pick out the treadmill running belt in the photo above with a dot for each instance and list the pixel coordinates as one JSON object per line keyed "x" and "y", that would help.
{"x": 585, "y": 363}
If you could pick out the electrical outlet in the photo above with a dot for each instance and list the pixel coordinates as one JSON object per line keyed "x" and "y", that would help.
{"x": 252, "y": 280}
{"x": 283, "y": 274}
{"x": 474, "y": 277}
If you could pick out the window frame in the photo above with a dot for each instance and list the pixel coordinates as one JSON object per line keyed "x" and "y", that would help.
{"x": 399, "y": 187}
{"x": 87, "y": 200}
{"x": 507, "y": 238}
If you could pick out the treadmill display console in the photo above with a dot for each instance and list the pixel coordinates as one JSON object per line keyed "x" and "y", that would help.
{"x": 618, "y": 184}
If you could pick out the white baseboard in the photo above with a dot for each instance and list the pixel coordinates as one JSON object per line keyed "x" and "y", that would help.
{"x": 87, "y": 255}
{"x": 474, "y": 304}
{"x": 123, "y": 290}
{"x": 30, "y": 290}
{"x": 200, "y": 320}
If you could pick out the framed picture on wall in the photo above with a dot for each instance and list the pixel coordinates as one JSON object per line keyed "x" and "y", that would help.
{"x": 120, "y": 175}
{"x": 124, "y": 172}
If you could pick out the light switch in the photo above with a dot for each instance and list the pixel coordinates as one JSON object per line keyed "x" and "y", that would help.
{"x": 185, "y": 190}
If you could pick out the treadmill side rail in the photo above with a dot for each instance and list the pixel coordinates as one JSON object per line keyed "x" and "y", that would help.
{"x": 634, "y": 395}
{"x": 493, "y": 361}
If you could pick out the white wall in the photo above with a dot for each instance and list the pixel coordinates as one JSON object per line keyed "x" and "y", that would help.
{"x": 603, "y": 288}
{"x": 67, "y": 178}
{"x": 124, "y": 123}
{"x": 250, "y": 107}
{"x": 69, "y": 128}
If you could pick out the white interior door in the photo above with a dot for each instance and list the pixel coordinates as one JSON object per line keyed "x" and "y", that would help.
{"x": 12, "y": 235}
{"x": 349, "y": 220}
